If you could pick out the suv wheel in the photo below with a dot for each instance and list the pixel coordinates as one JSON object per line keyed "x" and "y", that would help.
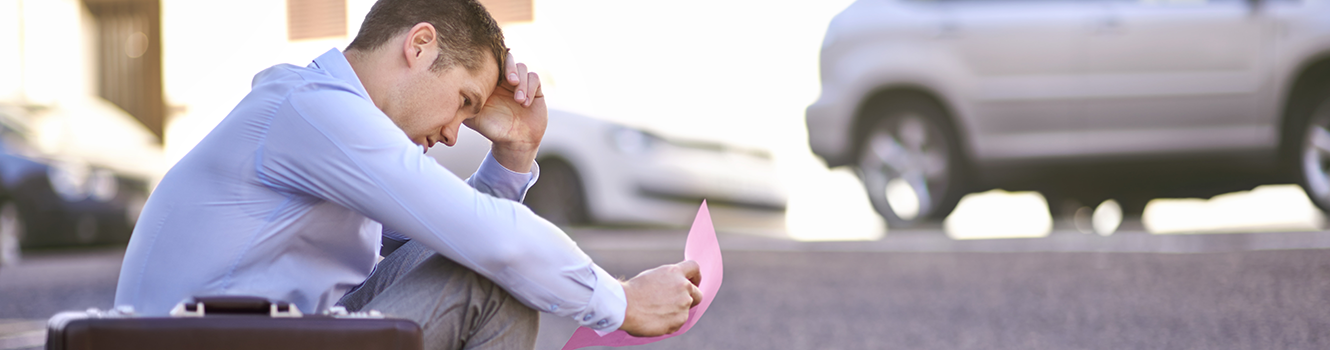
{"x": 558, "y": 196}
{"x": 909, "y": 164}
{"x": 1313, "y": 164}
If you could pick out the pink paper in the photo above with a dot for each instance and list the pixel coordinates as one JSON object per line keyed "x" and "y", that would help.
{"x": 701, "y": 247}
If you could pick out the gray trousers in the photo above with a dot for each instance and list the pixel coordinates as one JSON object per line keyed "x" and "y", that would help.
{"x": 454, "y": 306}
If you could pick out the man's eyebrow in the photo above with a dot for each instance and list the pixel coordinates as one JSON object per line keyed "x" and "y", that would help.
{"x": 475, "y": 100}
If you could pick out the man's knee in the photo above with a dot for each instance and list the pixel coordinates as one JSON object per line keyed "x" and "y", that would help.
{"x": 489, "y": 300}
{"x": 489, "y": 316}
{"x": 501, "y": 321}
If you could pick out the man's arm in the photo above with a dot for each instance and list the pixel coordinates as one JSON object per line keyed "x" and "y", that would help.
{"x": 340, "y": 149}
{"x": 514, "y": 119}
{"x": 494, "y": 179}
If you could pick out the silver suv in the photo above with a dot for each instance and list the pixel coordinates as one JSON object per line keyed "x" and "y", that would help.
{"x": 1083, "y": 100}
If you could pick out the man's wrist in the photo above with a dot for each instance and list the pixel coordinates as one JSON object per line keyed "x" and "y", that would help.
{"x": 514, "y": 156}
{"x": 628, "y": 320}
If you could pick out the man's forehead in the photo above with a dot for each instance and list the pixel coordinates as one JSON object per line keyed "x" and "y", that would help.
{"x": 486, "y": 78}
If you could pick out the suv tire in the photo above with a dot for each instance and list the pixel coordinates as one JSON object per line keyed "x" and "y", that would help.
{"x": 909, "y": 161}
{"x": 1313, "y": 154}
{"x": 558, "y": 196}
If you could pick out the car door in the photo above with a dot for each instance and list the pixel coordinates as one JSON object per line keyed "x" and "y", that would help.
{"x": 1023, "y": 59}
{"x": 1170, "y": 76}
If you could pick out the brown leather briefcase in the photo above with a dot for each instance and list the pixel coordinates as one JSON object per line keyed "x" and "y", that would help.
{"x": 231, "y": 322}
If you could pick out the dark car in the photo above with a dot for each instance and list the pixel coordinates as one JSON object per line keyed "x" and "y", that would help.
{"x": 48, "y": 201}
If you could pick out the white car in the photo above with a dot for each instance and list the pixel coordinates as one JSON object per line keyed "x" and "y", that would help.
{"x": 1083, "y": 100}
{"x": 593, "y": 171}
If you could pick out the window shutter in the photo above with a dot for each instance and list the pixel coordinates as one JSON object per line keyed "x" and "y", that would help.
{"x": 313, "y": 19}
{"x": 509, "y": 11}
{"x": 129, "y": 58}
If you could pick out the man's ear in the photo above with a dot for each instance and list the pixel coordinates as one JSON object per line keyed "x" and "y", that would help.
{"x": 420, "y": 46}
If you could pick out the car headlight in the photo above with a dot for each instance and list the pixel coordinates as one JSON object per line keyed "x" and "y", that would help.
{"x": 631, "y": 141}
{"x": 69, "y": 180}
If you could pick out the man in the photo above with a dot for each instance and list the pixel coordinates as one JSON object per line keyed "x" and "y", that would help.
{"x": 289, "y": 196}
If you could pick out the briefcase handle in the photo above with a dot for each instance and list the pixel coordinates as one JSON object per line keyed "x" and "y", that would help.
{"x": 234, "y": 305}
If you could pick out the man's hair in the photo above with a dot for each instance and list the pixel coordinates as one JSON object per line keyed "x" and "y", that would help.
{"x": 465, "y": 30}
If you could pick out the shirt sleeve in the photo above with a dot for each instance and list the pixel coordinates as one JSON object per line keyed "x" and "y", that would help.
{"x": 496, "y": 180}
{"x": 336, "y": 146}
{"x": 493, "y": 179}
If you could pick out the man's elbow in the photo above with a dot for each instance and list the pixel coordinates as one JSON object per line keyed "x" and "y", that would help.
{"x": 509, "y": 256}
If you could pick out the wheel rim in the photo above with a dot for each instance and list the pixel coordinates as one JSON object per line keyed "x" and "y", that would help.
{"x": 1316, "y": 157}
{"x": 11, "y": 234}
{"x": 558, "y": 196}
{"x": 905, "y": 167}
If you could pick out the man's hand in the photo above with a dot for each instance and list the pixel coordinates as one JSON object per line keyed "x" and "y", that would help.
{"x": 514, "y": 117}
{"x": 659, "y": 299}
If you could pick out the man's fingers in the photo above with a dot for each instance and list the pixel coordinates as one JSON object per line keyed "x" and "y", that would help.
{"x": 533, "y": 85}
{"x": 510, "y": 70}
{"x": 526, "y": 85}
{"x": 696, "y": 293}
{"x": 674, "y": 329}
{"x": 692, "y": 271}
{"x": 520, "y": 94}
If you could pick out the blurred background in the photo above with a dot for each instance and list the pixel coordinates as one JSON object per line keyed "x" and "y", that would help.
{"x": 931, "y": 127}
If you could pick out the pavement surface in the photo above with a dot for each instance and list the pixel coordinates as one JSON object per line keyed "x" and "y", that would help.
{"x": 910, "y": 290}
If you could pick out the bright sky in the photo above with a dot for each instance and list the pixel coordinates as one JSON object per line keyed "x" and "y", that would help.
{"x": 737, "y": 71}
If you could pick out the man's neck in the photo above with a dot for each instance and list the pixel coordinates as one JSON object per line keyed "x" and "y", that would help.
{"x": 370, "y": 72}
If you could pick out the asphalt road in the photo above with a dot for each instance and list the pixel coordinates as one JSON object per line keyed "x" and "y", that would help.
{"x": 910, "y": 290}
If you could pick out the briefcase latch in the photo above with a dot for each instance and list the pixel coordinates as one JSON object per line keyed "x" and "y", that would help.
{"x": 185, "y": 309}
{"x": 284, "y": 310}
{"x": 340, "y": 312}
{"x": 235, "y": 305}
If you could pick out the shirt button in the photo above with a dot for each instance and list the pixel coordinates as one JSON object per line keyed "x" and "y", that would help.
{"x": 588, "y": 316}
{"x": 602, "y": 323}
{"x": 554, "y": 307}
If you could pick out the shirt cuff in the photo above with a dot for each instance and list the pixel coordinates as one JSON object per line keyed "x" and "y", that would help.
{"x": 605, "y": 312}
{"x": 495, "y": 179}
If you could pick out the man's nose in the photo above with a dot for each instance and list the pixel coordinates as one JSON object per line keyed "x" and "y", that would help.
{"x": 450, "y": 137}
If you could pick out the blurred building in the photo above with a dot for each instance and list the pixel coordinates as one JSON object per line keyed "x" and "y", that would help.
{"x": 87, "y": 76}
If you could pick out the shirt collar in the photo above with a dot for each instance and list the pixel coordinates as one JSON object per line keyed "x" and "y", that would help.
{"x": 334, "y": 62}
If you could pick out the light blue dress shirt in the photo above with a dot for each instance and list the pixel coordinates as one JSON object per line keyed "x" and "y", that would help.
{"x": 288, "y": 197}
